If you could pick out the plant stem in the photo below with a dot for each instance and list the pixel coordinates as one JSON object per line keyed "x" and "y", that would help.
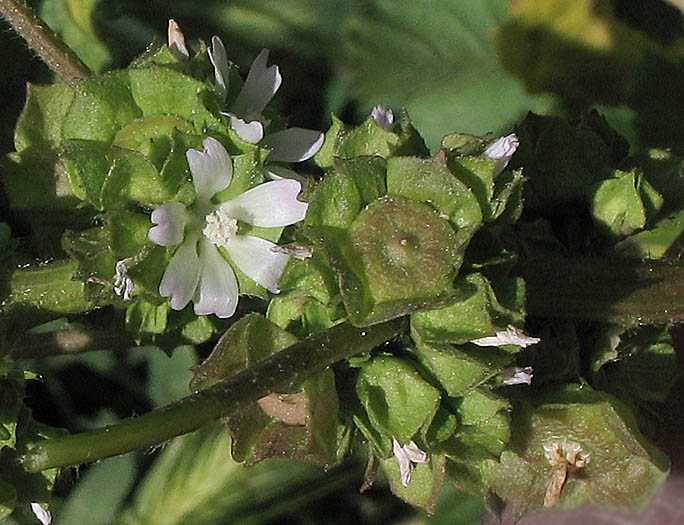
{"x": 278, "y": 372}
{"x": 43, "y": 41}
{"x": 626, "y": 292}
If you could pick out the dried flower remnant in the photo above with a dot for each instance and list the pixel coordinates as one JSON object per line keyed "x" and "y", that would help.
{"x": 510, "y": 336}
{"x": 516, "y": 375}
{"x": 564, "y": 458}
{"x": 408, "y": 455}
{"x": 123, "y": 285}
{"x": 176, "y": 41}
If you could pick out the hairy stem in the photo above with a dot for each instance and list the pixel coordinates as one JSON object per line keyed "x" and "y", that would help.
{"x": 43, "y": 41}
{"x": 275, "y": 373}
{"x": 626, "y": 292}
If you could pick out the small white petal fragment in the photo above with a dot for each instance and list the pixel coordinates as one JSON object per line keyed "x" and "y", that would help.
{"x": 383, "y": 116}
{"x": 170, "y": 220}
{"x": 212, "y": 170}
{"x": 257, "y": 260}
{"x": 269, "y": 205}
{"x": 251, "y": 132}
{"x": 407, "y": 455}
{"x": 564, "y": 458}
{"x": 217, "y": 291}
{"x": 510, "y": 336}
{"x": 41, "y": 513}
{"x": 260, "y": 85}
{"x": 219, "y": 59}
{"x": 123, "y": 285}
{"x": 176, "y": 40}
{"x": 502, "y": 150}
{"x": 182, "y": 274}
{"x": 293, "y": 144}
{"x": 516, "y": 375}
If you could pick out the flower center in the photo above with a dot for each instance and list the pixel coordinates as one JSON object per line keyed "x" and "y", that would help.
{"x": 219, "y": 227}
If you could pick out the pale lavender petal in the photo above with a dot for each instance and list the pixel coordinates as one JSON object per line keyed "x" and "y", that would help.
{"x": 383, "y": 116}
{"x": 502, "y": 150}
{"x": 276, "y": 172}
{"x": 217, "y": 292}
{"x": 510, "y": 336}
{"x": 212, "y": 170}
{"x": 219, "y": 59}
{"x": 293, "y": 144}
{"x": 414, "y": 453}
{"x": 252, "y": 131}
{"x": 255, "y": 258}
{"x": 404, "y": 462}
{"x": 260, "y": 86}
{"x": 270, "y": 205}
{"x": 42, "y": 514}
{"x": 170, "y": 219}
{"x": 516, "y": 375}
{"x": 182, "y": 274}
{"x": 176, "y": 41}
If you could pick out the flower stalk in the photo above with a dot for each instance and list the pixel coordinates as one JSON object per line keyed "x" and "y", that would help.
{"x": 42, "y": 40}
{"x": 275, "y": 373}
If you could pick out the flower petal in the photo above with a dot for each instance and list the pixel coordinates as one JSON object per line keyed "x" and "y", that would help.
{"x": 404, "y": 462}
{"x": 217, "y": 292}
{"x": 212, "y": 170}
{"x": 293, "y": 144}
{"x": 516, "y": 375}
{"x": 255, "y": 258}
{"x": 414, "y": 453}
{"x": 170, "y": 219}
{"x": 270, "y": 205}
{"x": 383, "y": 116}
{"x": 502, "y": 150}
{"x": 176, "y": 41}
{"x": 510, "y": 336}
{"x": 252, "y": 131}
{"x": 182, "y": 274}
{"x": 260, "y": 86}
{"x": 41, "y": 513}
{"x": 219, "y": 59}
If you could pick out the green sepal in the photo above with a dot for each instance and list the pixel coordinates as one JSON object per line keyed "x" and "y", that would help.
{"x": 101, "y": 106}
{"x": 398, "y": 401}
{"x": 127, "y": 232}
{"x": 655, "y": 242}
{"x": 616, "y": 204}
{"x": 475, "y": 312}
{"x": 480, "y": 441}
{"x": 427, "y": 480}
{"x": 146, "y": 270}
{"x": 338, "y": 198}
{"x": 430, "y": 180}
{"x": 623, "y": 471}
{"x": 369, "y": 138}
{"x": 145, "y": 318}
{"x": 132, "y": 177}
{"x": 556, "y": 358}
{"x": 87, "y": 167}
{"x": 641, "y": 365}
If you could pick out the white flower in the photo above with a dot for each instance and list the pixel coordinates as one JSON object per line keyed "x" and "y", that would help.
{"x": 383, "y": 116}
{"x": 407, "y": 455}
{"x": 510, "y": 336}
{"x": 516, "y": 375}
{"x": 197, "y": 271}
{"x": 261, "y": 84}
{"x": 41, "y": 513}
{"x": 502, "y": 150}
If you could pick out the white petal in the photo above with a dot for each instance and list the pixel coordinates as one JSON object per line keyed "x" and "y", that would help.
{"x": 270, "y": 205}
{"x": 260, "y": 86}
{"x": 176, "y": 41}
{"x": 170, "y": 219}
{"x": 509, "y": 336}
{"x": 293, "y": 144}
{"x": 516, "y": 375}
{"x": 251, "y": 132}
{"x": 255, "y": 258}
{"x": 219, "y": 59}
{"x": 502, "y": 150}
{"x": 217, "y": 292}
{"x": 383, "y": 116}
{"x": 212, "y": 170}
{"x": 123, "y": 285}
{"x": 414, "y": 453}
{"x": 41, "y": 513}
{"x": 404, "y": 462}
{"x": 182, "y": 274}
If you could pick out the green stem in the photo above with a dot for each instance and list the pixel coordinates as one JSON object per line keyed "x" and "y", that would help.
{"x": 43, "y": 41}
{"x": 275, "y": 373}
{"x": 626, "y": 292}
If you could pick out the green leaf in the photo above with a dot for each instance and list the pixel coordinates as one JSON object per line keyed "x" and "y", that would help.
{"x": 436, "y": 59}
